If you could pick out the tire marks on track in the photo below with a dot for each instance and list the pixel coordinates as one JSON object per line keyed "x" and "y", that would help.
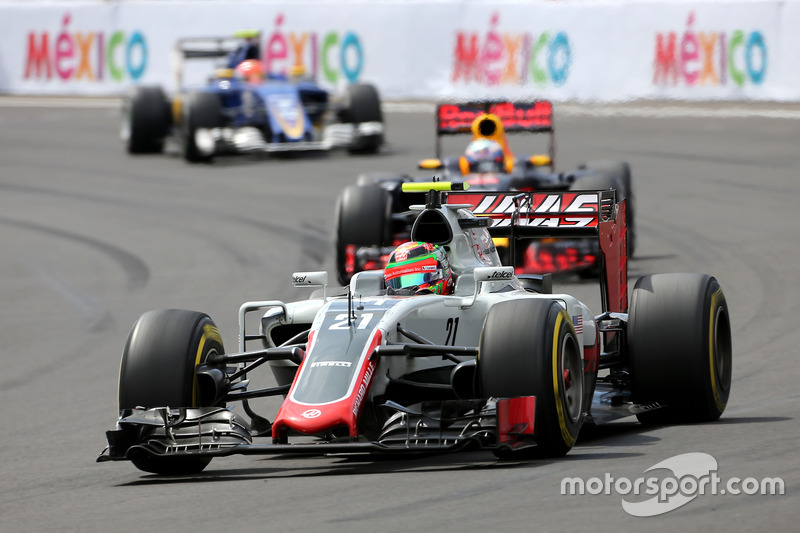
{"x": 136, "y": 271}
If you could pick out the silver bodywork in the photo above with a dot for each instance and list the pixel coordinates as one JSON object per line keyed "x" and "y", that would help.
{"x": 425, "y": 315}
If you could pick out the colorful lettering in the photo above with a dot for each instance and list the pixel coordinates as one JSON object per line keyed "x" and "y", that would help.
{"x": 511, "y": 59}
{"x": 84, "y": 56}
{"x": 710, "y": 58}
{"x": 338, "y": 56}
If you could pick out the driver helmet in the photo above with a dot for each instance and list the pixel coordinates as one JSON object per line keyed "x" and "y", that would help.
{"x": 485, "y": 155}
{"x": 418, "y": 266}
{"x": 250, "y": 71}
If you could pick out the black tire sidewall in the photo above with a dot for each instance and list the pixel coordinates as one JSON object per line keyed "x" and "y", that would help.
{"x": 200, "y": 110}
{"x": 673, "y": 359}
{"x": 517, "y": 358}
{"x": 362, "y": 218}
{"x": 149, "y": 119}
{"x": 160, "y": 356}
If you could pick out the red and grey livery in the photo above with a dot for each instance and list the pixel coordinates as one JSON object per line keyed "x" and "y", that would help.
{"x": 503, "y": 364}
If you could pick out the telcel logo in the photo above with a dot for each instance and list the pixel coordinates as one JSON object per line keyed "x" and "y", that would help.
{"x": 500, "y": 274}
{"x": 299, "y": 279}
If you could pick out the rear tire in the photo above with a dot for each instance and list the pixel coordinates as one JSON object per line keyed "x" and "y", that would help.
{"x": 363, "y": 105}
{"x": 200, "y": 110}
{"x": 146, "y": 120}
{"x": 158, "y": 370}
{"x": 362, "y": 218}
{"x": 529, "y": 348}
{"x": 679, "y": 341}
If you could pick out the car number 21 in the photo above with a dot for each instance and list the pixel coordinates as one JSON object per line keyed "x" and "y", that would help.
{"x": 361, "y": 322}
{"x": 452, "y": 329}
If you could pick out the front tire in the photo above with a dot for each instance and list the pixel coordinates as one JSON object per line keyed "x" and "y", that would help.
{"x": 146, "y": 120}
{"x": 158, "y": 370}
{"x": 679, "y": 340}
{"x": 363, "y": 105}
{"x": 200, "y": 111}
{"x": 529, "y": 348}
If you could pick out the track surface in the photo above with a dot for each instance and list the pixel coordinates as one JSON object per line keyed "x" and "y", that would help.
{"x": 92, "y": 238}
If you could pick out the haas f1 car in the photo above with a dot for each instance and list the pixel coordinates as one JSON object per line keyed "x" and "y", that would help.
{"x": 242, "y": 109}
{"x": 373, "y": 216}
{"x": 502, "y": 363}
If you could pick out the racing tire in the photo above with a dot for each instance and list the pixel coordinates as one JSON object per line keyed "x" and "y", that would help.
{"x": 362, "y": 218}
{"x": 622, "y": 171}
{"x": 679, "y": 348}
{"x": 363, "y": 104}
{"x": 146, "y": 120}
{"x": 200, "y": 110}
{"x": 157, "y": 369}
{"x": 529, "y": 348}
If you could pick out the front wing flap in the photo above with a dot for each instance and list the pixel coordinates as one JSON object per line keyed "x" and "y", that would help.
{"x": 218, "y": 432}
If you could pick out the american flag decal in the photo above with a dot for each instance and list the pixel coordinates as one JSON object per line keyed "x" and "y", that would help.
{"x": 577, "y": 321}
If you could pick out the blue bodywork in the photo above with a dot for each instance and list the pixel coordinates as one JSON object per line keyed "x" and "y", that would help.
{"x": 284, "y": 111}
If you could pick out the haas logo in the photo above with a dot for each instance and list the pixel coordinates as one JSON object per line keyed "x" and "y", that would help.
{"x": 311, "y": 413}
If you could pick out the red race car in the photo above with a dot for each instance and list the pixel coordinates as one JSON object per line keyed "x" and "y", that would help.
{"x": 372, "y": 217}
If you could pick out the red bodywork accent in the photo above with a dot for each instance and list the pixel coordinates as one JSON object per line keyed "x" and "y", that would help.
{"x": 591, "y": 355}
{"x": 515, "y": 418}
{"x": 317, "y": 419}
{"x": 613, "y": 235}
{"x": 548, "y": 209}
{"x": 542, "y": 259}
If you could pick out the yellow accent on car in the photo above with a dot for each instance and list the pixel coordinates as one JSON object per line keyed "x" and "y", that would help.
{"x": 568, "y": 439}
{"x": 177, "y": 109}
{"x": 540, "y": 160}
{"x": 246, "y": 34}
{"x": 500, "y": 242}
{"x": 212, "y": 332}
{"x": 224, "y": 73}
{"x": 430, "y": 164}
{"x": 425, "y": 186}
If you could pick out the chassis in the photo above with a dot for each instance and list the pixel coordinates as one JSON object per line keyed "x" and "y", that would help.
{"x": 503, "y": 364}
{"x": 229, "y": 115}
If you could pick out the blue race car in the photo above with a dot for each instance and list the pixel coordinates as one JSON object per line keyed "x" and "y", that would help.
{"x": 242, "y": 110}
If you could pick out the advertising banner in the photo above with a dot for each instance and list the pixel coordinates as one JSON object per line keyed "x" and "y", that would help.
{"x": 565, "y": 51}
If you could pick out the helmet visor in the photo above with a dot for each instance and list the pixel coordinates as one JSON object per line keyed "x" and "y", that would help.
{"x": 417, "y": 279}
{"x": 417, "y": 272}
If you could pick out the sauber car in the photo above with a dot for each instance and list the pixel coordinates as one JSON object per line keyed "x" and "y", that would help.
{"x": 248, "y": 111}
{"x": 373, "y": 215}
{"x": 502, "y": 364}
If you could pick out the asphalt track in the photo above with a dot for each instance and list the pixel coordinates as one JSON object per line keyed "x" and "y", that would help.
{"x": 91, "y": 238}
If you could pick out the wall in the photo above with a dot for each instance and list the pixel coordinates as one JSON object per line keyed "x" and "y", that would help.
{"x": 565, "y": 51}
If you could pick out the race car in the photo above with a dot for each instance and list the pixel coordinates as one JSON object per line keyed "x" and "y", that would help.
{"x": 242, "y": 109}
{"x": 373, "y": 217}
{"x": 498, "y": 362}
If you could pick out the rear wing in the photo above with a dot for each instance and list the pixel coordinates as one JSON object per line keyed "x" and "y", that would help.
{"x": 517, "y": 117}
{"x": 593, "y": 214}
{"x": 237, "y": 47}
